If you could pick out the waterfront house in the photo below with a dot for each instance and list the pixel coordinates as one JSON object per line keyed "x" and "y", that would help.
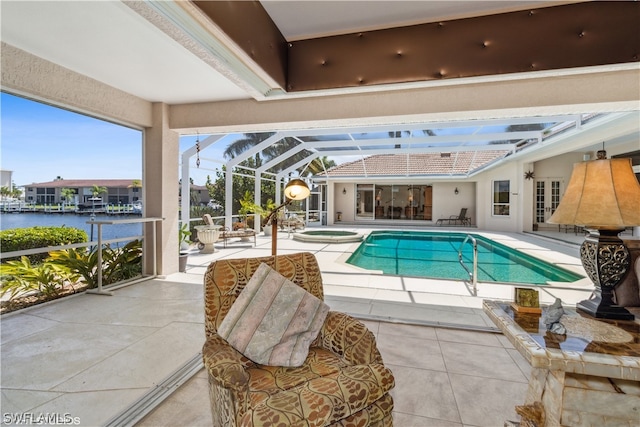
{"x": 322, "y": 74}
{"x": 117, "y": 191}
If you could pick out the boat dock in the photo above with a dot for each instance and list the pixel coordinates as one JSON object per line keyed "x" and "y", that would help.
{"x": 80, "y": 209}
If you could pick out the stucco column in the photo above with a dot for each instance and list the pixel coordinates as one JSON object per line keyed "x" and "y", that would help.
{"x": 160, "y": 183}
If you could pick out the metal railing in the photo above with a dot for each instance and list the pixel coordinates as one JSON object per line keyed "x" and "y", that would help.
{"x": 99, "y": 244}
{"x": 154, "y": 233}
{"x": 473, "y": 275}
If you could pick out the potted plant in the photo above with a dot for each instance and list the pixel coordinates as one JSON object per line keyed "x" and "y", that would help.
{"x": 183, "y": 239}
{"x": 247, "y": 206}
{"x": 265, "y": 214}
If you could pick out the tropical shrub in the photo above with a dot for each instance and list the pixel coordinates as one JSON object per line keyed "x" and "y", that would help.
{"x": 20, "y": 277}
{"x": 18, "y": 239}
{"x": 117, "y": 264}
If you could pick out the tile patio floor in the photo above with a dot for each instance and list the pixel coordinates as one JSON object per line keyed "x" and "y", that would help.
{"x": 108, "y": 360}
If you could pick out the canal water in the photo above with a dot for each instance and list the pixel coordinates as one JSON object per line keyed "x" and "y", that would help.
{"x": 32, "y": 219}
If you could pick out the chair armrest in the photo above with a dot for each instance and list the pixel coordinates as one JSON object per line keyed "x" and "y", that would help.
{"x": 226, "y": 365}
{"x": 350, "y": 338}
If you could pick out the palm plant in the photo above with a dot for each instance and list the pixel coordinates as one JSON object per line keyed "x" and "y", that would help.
{"x": 67, "y": 194}
{"x": 5, "y": 191}
{"x": 97, "y": 190}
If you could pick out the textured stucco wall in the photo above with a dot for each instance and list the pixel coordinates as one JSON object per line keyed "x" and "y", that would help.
{"x": 33, "y": 77}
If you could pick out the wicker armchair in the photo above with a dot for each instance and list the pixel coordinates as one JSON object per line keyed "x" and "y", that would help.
{"x": 343, "y": 381}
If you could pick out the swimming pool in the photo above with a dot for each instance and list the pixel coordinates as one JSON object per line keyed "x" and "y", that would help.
{"x": 435, "y": 255}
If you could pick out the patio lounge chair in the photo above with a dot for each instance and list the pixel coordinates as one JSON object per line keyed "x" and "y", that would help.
{"x": 341, "y": 382}
{"x": 455, "y": 219}
{"x": 242, "y": 233}
{"x": 294, "y": 222}
{"x": 227, "y": 234}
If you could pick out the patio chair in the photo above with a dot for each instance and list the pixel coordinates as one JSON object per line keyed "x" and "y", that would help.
{"x": 342, "y": 381}
{"x": 461, "y": 218}
{"x": 294, "y": 222}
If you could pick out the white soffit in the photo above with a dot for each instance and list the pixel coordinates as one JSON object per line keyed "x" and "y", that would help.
{"x": 298, "y": 20}
{"x": 108, "y": 41}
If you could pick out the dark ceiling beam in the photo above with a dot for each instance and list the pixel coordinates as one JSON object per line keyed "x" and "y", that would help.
{"x": 251, "y": 28}
{"x": 553, "y": 38}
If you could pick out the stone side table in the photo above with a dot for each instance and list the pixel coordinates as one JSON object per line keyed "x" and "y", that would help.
{"x": 588, "y": 377}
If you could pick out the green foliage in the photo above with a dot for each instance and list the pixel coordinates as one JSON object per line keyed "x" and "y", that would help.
{"x": 18, "y": 239}
{"x": 241, "y": 184}
{"x": 184, "y": 233}
{"x": 19, "y": 277}
{"x": 97, "y": 190}
{"x": 117, "y": 264}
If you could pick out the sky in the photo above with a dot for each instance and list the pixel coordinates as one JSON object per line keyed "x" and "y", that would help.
{"x": 39, "y": 142}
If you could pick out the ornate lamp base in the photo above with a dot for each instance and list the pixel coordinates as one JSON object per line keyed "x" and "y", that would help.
{"x": 606, "y": 260}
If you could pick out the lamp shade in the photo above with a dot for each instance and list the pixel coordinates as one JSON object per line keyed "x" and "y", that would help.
{"x": 296, "y": 189}
{"x": 602, "y": 194}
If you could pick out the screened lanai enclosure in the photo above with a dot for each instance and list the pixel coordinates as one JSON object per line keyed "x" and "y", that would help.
{"x": 380, "y": 173}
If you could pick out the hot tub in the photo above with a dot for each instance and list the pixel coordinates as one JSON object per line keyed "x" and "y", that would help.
{"x": 328, "y": 236}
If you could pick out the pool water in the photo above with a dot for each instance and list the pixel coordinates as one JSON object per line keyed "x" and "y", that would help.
{"x": 435, "y": 255}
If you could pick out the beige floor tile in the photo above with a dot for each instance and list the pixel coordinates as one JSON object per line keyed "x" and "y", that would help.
{"x": 414, "y": 331}
{"x": 92, "y": 409}
{"x": 487, "y": 402}
{"x": 188, "y": 406}
{"x": 143, "y": 364}
{"x": 411, "y": 352}
{"x": 87, "y": 309}
{"x": 146, "y": 330}
{"x": 373, "y": 326}
{"x": 163, "y": 290}
{"x": 408, "y": 420}
{"x": 63, "y": 354}
{"x": 20, "y": 325}
{"x": 348, "y": 305}
{"x": 469, "y": 337}
{"x": 481, "y": 361}
{"x": 161, "y": 313}
{"x": 20, "y": 401}
{"x": 522, "y": 363}
{"x": 424, "y": 393}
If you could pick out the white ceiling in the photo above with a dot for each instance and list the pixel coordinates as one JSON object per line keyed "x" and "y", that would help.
{"x": 307, "y": 19}
{"x": 108, "y": 41}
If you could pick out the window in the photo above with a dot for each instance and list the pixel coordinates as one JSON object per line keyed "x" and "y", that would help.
{"x": 501, "y": 196}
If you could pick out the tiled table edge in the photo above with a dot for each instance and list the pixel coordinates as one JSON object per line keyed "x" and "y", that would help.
{"x": 602, "y": 365}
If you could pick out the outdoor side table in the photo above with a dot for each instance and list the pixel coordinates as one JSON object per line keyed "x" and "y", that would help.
{"x": 588, "y": 377}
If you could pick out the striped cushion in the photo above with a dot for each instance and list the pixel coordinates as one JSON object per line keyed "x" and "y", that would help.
{"x": 273, "y": 321}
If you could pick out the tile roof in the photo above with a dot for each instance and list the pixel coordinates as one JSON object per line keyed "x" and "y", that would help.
{"x": 73, "y": 183}
{"x": 454, "y": 163}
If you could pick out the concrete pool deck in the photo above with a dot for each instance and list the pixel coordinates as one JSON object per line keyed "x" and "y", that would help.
{"x": 109, "y": 360}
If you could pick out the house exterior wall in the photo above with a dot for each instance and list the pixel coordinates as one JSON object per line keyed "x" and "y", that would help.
{"x": 486, "y": 219}
{"x": 6, "y": 178}
{"x": 343, "y": 202}
{"x": 447, "y": 203}
{"x": 113, "y": 195}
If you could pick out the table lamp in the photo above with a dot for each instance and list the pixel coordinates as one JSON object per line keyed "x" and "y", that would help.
{"x": 296, "y": 189}
{"x": 603, "y": 196}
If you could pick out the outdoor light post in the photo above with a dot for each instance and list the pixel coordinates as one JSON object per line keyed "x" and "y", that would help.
{"x": 296, "y": 189}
